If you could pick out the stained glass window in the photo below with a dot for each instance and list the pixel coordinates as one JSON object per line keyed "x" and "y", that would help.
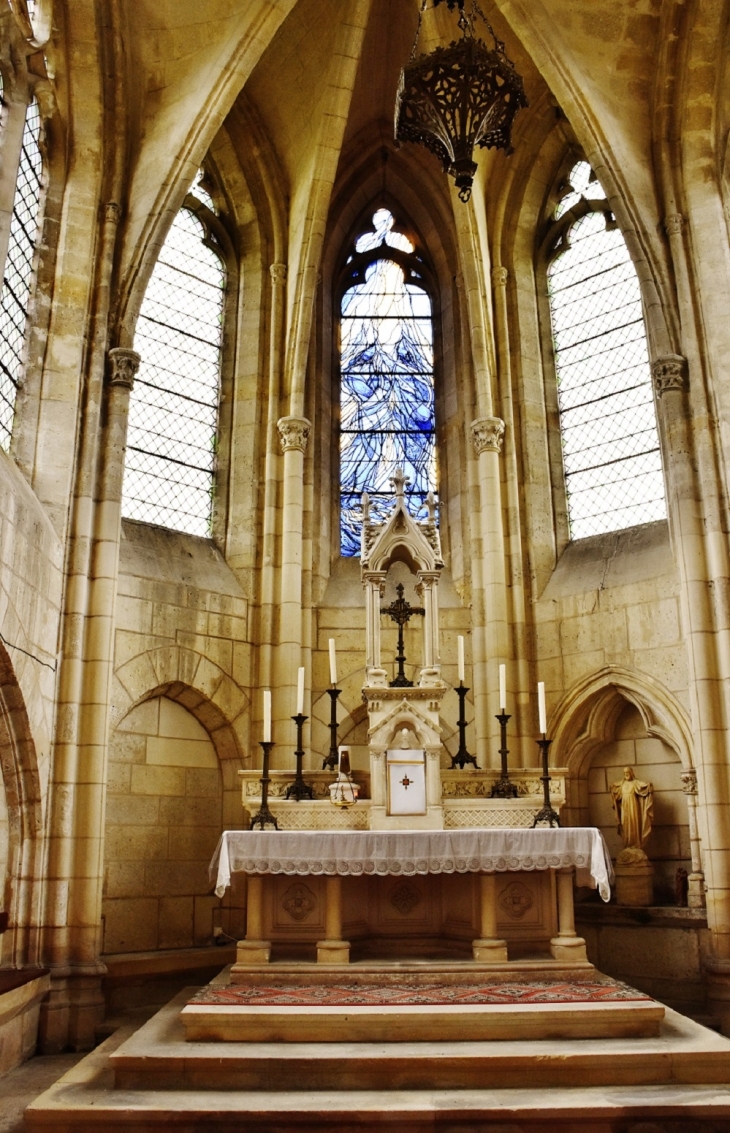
{"x": 387, "y": 388}
{"x": 18, "y": 272}
{"x": 613, "y": 469}
{"x": 173, "y": 411}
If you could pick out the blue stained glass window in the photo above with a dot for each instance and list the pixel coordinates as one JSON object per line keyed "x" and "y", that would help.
{"x": 387, "y": 389}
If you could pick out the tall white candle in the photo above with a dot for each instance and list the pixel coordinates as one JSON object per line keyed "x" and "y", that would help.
{"x": 267, "y": 716}
{"x": 541, "y": 706}
{"x": 502, "y": 687}
{"x": 300, "y": 692}
{"x": 333, "y": 663}
{"x": 460, "y": 655}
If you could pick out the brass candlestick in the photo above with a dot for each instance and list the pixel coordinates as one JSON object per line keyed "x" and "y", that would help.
{"x": 546, "y": 814}
{"x": 462, "y": 756}
{"x": 299, "y": 790}
{"x": 264, "y": 817}
{"x": 330, "y": 761}
{"x": 504, "y": 788}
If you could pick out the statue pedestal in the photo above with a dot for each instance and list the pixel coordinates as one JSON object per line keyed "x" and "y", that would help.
{"x": 634, "y": 878}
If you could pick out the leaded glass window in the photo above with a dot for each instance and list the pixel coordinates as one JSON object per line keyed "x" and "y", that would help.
{"x": 612, "y": 462}
{"x": 387, "y": 416}
{"x": 18, "y": 271}
{"x": 173, "y": 412}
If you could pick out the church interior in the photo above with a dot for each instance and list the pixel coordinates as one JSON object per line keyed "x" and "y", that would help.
{"x": 365, "y": 563}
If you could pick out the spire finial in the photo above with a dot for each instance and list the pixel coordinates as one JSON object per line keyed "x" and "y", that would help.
{"x": 398, "y": 483}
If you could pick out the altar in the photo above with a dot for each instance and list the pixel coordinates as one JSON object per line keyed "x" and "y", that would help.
{"x": 332, "y": 858}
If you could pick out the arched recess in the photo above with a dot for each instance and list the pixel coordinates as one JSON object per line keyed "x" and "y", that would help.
{"x": 22, "y": 837}
{"x": 175, "y": 751}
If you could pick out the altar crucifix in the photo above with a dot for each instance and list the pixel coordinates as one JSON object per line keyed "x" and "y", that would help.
{"x": 400, "y": 611}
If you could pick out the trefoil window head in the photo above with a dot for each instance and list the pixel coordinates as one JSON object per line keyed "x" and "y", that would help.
{"x": 459, "y": 97}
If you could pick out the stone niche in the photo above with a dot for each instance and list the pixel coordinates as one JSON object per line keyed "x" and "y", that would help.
{"x": 164, "y": 817}
{"x": 668, "y": 847}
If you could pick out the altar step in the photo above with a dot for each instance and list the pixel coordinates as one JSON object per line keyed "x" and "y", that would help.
{"x": 675, "y": 1081}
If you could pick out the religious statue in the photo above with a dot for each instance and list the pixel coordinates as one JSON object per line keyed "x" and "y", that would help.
{"x": 633, "y": 804}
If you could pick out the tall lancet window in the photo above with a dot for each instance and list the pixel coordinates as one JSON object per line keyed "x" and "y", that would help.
{"x": 386, "y": 377}
{"x": 18, "y": 267}
{"x": 173, "y": 413}
{"x": 612, "y": 463}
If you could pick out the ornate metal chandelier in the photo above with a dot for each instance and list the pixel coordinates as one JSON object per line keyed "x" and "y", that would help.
{"x": 459, "y": 97}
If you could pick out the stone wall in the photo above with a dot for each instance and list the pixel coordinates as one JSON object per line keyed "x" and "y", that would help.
{"x": 163, "y": 820}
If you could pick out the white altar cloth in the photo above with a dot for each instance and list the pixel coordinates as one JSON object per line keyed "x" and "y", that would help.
{"x": 407, "y": 852}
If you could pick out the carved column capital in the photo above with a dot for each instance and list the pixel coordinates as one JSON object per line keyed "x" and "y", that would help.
{"x": 123, "y": 366}
{"x": 294, "y": 433}
{"x": 674, "y": 224}
{"x": 669, "y": 373}
{"x": 487, "y": 434}
{"x": 689, "y": 781}
{"x": 500, "y": 276}
{"x": 278, "y": 273}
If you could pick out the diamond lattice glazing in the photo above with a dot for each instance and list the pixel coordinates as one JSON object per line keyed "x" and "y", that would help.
{"x": 173, "y": 413}
{"x": 610, "y": 443}
{"x": 18, "y": 278}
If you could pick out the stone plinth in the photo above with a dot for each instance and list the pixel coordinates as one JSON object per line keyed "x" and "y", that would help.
{"x": 634, "y": 878}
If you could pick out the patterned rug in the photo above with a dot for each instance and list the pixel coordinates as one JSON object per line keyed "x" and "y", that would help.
{"x": 407, "y": 995}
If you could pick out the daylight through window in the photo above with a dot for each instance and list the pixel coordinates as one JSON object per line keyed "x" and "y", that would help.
{"x": 611, "y": 455}
{"x": 173, "y": 414}
{"x": 18, "y": 273}
{"x": 387, "y": 388}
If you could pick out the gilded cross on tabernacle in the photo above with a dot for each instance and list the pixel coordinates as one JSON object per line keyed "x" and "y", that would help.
{"x": 406, "y": 782}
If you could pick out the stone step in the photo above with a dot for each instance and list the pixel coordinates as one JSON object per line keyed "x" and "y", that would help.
{"x": 85, "y": 1101}
{"x": 158, "y": 1057}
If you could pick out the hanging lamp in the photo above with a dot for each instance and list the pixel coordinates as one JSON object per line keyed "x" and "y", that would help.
{"x": 459, "y": 97}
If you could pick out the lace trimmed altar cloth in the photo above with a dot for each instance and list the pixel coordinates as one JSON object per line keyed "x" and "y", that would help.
{"x": 407, "y": 852}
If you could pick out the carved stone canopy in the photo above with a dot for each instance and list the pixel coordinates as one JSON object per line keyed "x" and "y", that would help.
{"x": 400, "y": 537}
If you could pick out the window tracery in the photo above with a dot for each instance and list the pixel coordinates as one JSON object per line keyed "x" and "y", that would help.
{"x": 610, "y": 444}
{"x": 18, "y": 268}
{"x": 173, "y": 414}
{"x": 387, "y": 417}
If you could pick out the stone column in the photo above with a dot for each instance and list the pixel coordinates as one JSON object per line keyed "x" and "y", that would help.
{"x": 16, "y": 97}
{"x": 72, "y": 940}
{"x": 333, "y": 950}
{"x": 696, "y": 880}
{"x": 488, "y": 948}
{"x": 254, "y": 949}
{"x": 487, "y": 436}
{"x": 374, "y": 585}
{"x": 427, "y": 590}
{"x": 294, "y": 435}
{"x": 566, "y": 945}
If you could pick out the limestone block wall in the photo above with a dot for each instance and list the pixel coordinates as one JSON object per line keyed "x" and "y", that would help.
{"x": 653, "y": 761}
{"x": 163, "y": 820}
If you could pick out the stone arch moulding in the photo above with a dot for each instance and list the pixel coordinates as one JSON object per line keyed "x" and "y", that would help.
{"x": 196, "y": 682}
{"x": 19, "y": 767}
{"x": 583, "y": 719}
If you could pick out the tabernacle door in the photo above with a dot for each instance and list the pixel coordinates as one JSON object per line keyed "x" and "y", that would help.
{"x": 406, "y": 781}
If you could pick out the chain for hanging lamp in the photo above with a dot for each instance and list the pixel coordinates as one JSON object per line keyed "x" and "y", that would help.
{"x": 459, "y": 97}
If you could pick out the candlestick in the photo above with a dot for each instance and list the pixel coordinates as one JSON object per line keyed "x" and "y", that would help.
{"x": 267, "y": 716}
{"x": 300, "y": 692}
{"x": 504, "y": 788}
{"x": 541, "y": 706}
{"x": 333, "y": 662}
{"x": 462, "y": 756}
{"x": 331, "y": 760}
{"x": 546, "y": 814}
{"x": 502, "y": 687}
{"x": 264, "y": 817}
{"x": 299, "y": 790}
{"x": 460, "y": 655}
